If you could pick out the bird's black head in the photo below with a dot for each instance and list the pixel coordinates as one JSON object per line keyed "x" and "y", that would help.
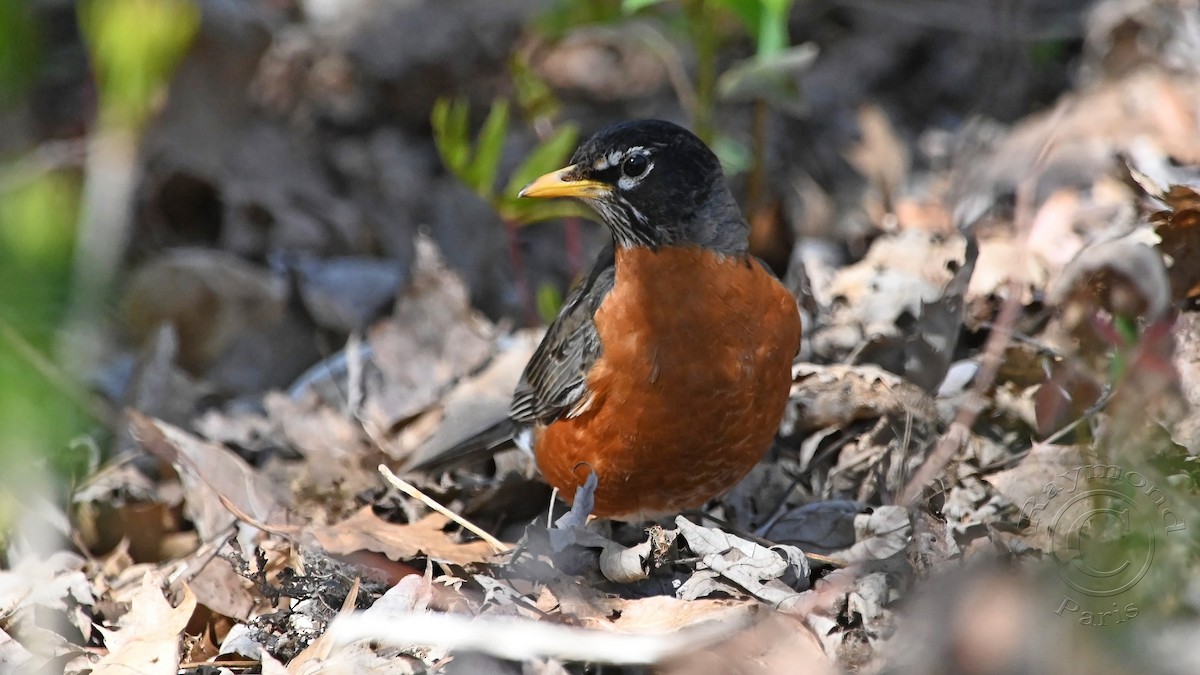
{"x": 654, "y": 184}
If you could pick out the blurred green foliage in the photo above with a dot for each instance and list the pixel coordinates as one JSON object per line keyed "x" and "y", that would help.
{"x": 18, "y": 49}
{"x": 37, "y": 233}
{"x": 135, "y": 45}
{"x": 765, "y": 20}
{"x": 477, "y": 163}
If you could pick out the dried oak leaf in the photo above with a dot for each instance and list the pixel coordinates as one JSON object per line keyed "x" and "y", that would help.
{"x": 655, "y": 615}
{"x": 218, "y": 485}
{"x": 1178, "y": 228}
{"x": 147, "y": 640}
{"x": 880, "y": 534}
{"x": 758, "y": 570}
{"x": 838, "y": 395}
{"x": 365, "y": 530}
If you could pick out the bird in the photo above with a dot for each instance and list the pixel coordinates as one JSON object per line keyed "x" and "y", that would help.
{"x": 667, "y": 370}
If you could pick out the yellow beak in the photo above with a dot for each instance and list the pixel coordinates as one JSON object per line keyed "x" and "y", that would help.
{"x": 562, "y": 183}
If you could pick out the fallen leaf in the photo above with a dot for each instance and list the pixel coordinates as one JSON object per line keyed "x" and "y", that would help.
{"x": 820, "y": 527}
{"x": 1178, "y": 228}
{"x": 838, "y": 395}
{"x": 755, "y": 568}
{"x": 365, "y": 530}
{"x": 878, "y": 535}
{"x": 147, "y": 638}
{"x": 219, "y": 588}
{"x": 433, "y": 338}
{"x": 476, "y": 403}
{"x": 214, "y": 478}
{"x": 625, "y": 564}
{"x": 13, "y": 656}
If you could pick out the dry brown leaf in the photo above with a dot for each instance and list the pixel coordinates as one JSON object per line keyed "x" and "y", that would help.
{"x": 476, "y": 403}
{"x": 13, "y": 655}
{"x": 878, "y": 303}
{"x": 1178, "y": 227}
{"x": 35, "y": 582}
{"x": 334, "y": 449}
{"x": 880, "y": 534}
{"x": 777, "y": 644}
{"x": 224, "y": 591}
{"x": 881, "y": 157}
{"x": 656, "y": 615}
{"x": 367, "y": 531}
{"x": 147, "y": 640}
{"x": 214, "y": 478}
{"x": 625, "y": 564}
{"x": 838, "y": 395}
{"x": 433, "y": 338}
{"x": 757, "y": 569}
{"x": 1039, "y": 475}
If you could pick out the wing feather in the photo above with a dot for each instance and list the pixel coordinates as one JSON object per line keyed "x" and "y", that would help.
{"x": 555, "y": 380}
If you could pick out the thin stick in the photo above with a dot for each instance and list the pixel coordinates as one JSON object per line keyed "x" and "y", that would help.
{"x": 425, "y": 499}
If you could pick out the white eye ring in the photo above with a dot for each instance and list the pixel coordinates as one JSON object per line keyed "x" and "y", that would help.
{"x": 643, "y": 167}
{"x": 635, "y": 165}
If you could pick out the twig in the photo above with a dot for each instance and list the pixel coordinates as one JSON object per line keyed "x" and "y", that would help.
{"x": 412, "y": 491}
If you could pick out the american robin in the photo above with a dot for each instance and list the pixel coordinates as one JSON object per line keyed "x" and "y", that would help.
{"x": 668, "y": 367}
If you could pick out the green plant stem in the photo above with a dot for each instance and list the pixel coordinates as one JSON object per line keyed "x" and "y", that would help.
{"x": 702, "y": 22}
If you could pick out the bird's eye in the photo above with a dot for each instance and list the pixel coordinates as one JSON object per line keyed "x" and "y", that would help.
{"x": 634, "y": 165}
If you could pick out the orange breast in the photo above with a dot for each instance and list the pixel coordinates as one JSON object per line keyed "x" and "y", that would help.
{"x": 690, "y": 387}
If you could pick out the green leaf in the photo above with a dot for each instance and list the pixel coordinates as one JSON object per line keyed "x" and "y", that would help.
{"x": 773, "y": 28}
{"x": 134, "y": 46}
{"x": 534, "y": 97}
{"x": 488, "y": 150}
{"x": 549, "y": 155}
{"x": 449, "y": 123}
{"x": 749, "y": 12}
{"x": 734, "y": 155}
{"x": 774, "y": 79}
{"x": 632, "y": 6}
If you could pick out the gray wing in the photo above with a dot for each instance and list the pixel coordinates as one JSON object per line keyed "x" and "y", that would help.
{"x": 556, "y": 378}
